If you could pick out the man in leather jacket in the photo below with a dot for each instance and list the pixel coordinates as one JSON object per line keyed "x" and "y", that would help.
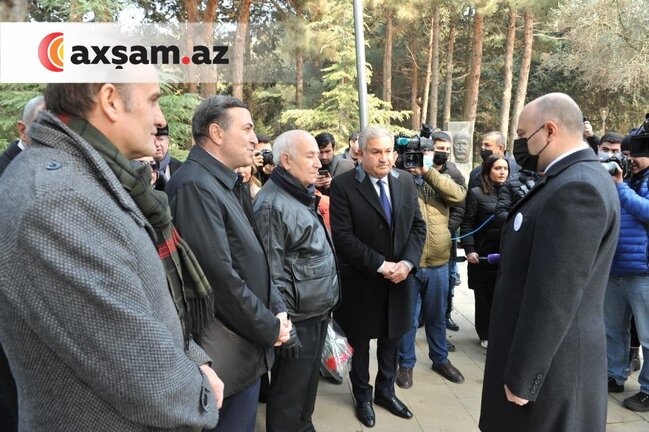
{"x": 303, "y": 266}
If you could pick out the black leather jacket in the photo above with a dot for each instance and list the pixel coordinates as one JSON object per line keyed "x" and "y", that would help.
{"x": 298, "y": 248}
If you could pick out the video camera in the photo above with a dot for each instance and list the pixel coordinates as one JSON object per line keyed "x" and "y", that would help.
{"x": 411, "y": 149}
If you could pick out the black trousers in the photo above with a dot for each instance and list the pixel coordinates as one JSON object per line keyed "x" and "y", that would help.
{"x": 483, "y": 299}
{"x": 239, "y": 411}
{"x": 294, "y": 382}
{"x": 8, "y": 397}
{"x": 386, "y": 354}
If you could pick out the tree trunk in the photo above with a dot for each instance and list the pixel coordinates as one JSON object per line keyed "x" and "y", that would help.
{"x": 387, "y": 59}
{"x": 505, "y": 106}
{"x": 449, "y": 77}
{"x": 239, "y": 49}
{"x": 299, "y": 77}
{"x": 434, "y": 91}
{"x": 299, "y": 65}
{"x": 429, "y": 65}
{"x": 521, "y": 90}
{"x": 208, "y": 18}
{"x": 13, "y": 10}
{"x": 413, "y": 94}
{"x": 471, "y": 98}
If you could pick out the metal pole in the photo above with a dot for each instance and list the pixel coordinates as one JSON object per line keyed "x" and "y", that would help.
{"x": 360, "y": 62}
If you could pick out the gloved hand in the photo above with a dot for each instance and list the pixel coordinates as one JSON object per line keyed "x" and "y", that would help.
{"x": 291, "y": 348}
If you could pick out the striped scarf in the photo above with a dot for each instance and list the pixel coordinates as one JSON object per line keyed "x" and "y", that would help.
{"x": 188, "y": 286}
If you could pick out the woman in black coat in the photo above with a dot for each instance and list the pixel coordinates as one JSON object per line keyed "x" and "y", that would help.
{"x": 480, "y": 206}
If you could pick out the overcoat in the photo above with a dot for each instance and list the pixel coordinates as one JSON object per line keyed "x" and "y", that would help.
{"x": 371, "y": 306}
{"x": 546, "y": 338}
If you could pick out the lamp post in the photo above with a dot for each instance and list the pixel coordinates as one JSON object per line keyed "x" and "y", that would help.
{"x": 603, "y": 112}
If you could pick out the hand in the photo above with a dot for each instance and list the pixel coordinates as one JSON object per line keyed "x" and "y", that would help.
{"x": 588, "y": 129}
{"x": 268, "y": 168}
{"x": 215, "y": 382}
{"x": 473, "y": 258}
{"x": 513, "y": 398}
{"x": 618, "y": 177}
{"x": 284, "y": 328}
{"x": 291, "y": 348}
{"x": 398, "y": 273}
{"x": 418, "y": 171}
{"x": 323, "y": 181}
{"x": 258, "y": 159}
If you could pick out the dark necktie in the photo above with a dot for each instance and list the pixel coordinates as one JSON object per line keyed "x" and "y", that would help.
{"x": 385, "y": 203}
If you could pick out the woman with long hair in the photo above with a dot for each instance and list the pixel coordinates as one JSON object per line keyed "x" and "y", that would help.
{"x": 480, "y": 208}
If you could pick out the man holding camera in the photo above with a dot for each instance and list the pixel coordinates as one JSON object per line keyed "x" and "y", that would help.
{"x": 437, "y": 193}
{"x": 263, "y": 158}
{"x": 332, "y": 164}
{"x": 627, "y": 293}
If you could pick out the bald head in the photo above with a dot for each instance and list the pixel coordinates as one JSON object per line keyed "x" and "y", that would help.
{"x": 297, "y": 152}
{"x": 561, "y": 109}
{"x": 32, "y": 108}
{"x": 552, "y": 125}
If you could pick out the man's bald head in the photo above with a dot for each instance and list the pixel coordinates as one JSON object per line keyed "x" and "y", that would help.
{"x": 561, "y": 109}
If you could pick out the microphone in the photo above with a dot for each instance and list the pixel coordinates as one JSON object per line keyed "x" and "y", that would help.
{"x": 493, "y": 258}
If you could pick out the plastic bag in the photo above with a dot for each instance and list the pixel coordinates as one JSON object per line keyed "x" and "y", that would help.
{"x": 336, "y": 354}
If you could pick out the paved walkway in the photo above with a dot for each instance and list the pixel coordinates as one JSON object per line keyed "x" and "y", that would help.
{"x": 437, "y": 404}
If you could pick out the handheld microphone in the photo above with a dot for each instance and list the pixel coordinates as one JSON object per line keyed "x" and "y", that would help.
{"x": 491, "y": 258}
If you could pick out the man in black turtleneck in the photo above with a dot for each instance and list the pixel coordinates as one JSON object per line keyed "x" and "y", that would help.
{"x": 303, "y": 266}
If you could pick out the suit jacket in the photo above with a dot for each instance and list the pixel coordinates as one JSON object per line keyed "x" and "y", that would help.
{"x": 372, "y": 306}
{"x": 8, "y": 155}
{"x": 91, "y": 332}
{"x": 547, "y": 340}
{"x": 210, "y": 218}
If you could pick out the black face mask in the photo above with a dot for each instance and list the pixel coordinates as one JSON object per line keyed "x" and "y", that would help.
{"x": 440, "y": 158}
{"x": 485, "y": 153}
{"x": 522, "y": 154}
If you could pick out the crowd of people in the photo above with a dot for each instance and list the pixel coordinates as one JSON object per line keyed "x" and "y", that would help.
{"x": 138, "y": 292}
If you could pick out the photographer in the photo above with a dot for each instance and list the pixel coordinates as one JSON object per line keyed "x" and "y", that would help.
{"x": 332, "y": 164}
{"x": 627, "y": 291}
{"x": 437, "y": 192}
{"x": 263, "y": 158}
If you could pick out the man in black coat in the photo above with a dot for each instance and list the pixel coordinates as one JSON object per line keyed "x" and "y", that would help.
{"x": 546, "y": 362}
{"x": 379, "y": 234}
{"x": 31, "y": 110}
{"x": 213, "y": 212}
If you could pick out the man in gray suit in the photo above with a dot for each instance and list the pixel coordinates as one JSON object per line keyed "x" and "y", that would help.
{"x": 546, "y": 362}
{"x": 90, "y": 329}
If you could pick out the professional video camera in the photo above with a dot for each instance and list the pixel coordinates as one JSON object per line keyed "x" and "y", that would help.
{"x": 411, "y": 150}
{"x": 614, "y": 160}
{"x": 267, "y": 155}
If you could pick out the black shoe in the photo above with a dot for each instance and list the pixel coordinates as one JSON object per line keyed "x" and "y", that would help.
{"x": 638, "y": 402}
{"x": 395, "y": 406}
{"x": 449, "y": 346}
{"x": 450, "y": 372}
{"x": 365, "y": 414}
{"x": 450, "y": 324}
{"x": 614, "y": 387}
{"x": 634, "y": 359}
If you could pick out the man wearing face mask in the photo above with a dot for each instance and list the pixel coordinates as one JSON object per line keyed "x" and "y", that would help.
{"x": 437, "y": 192}
{"x": 547, "y": 337}
{"x": 492, "y": 143}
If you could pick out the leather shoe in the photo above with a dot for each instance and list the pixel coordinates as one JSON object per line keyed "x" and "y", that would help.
{"x": 450, "y": 324}
{"x": 404, "y": 377}
{"x": 365, "y": 414}
{"x": 450, "y": 372}
{"x": 394, "y": 405}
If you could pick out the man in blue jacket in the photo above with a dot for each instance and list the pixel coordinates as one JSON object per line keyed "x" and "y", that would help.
{"x": 627, "y": 293}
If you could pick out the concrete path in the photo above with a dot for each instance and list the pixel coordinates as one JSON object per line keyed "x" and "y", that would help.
{"x": 439, "y": 405}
